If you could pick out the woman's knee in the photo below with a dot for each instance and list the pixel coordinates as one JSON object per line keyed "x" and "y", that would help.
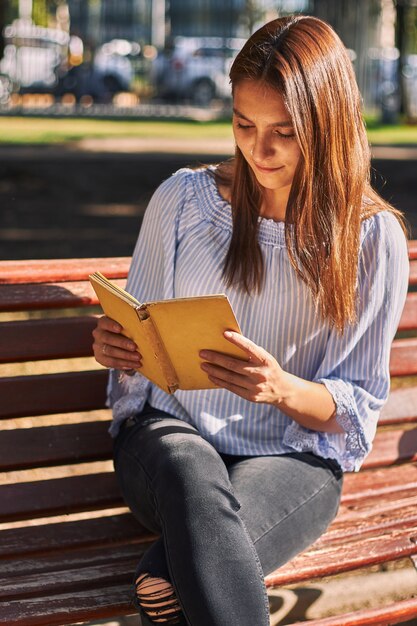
{"x": 156, "y": 598}
{"x": 191, "y": 466}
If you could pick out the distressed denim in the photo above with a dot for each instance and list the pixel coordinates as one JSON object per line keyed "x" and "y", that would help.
{"x": 224, "y": 521}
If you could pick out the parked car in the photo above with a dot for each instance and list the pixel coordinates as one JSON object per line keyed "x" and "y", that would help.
{"x": 195, "y": 69}
{"x": 32, "y": 56}
{"x": 109, "y": 73}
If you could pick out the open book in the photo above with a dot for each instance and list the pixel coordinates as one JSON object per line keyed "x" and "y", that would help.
{"x": 170, "y": 333}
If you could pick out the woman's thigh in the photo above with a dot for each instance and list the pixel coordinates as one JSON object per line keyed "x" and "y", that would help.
{"x": 286, "y": 502}
{"x": 163, "y": 466}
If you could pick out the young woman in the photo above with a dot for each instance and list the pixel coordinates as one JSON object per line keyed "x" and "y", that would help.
{"x": 239, "y": 479}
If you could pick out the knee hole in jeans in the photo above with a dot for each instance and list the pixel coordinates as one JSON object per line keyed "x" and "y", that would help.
{"x": 157, "y": 599}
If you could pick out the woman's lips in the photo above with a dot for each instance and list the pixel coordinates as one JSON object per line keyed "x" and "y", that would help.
{"x": 268, "y": 170}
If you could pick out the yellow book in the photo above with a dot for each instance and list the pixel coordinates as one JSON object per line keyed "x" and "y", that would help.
{"x": 170, "y": 333}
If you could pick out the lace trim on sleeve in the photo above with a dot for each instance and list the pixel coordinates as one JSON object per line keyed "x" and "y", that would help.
{"x": 357, "y": 444}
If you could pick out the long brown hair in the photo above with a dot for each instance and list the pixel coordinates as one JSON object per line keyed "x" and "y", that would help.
{"x": 306, "y": 62}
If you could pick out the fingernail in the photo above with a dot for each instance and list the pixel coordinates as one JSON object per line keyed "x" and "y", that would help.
{"x": 203, "y": 354}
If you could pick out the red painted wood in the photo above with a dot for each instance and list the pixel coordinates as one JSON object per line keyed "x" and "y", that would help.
{"x": 58, "y": 496}
{"x": 401, "y": 407}
{"x": 392, "y": 446}
{"x": 43, "y": 339}
{"x": 412, "y": 248}
{"x": 400, "y": 480}
{"x": 408, "y": 319}
{"x": 325, "y": 560}
{"x": 68, "y": 608}
{"x": 396, "y": 613}
{"x": 413, "y": 272}
{"x": 79, "y": 570}
{"x": 36, "y": 541}
{"x": 52, "y": 393}
{"x": 61, "y": 270}
{"x": 403, "y": 359}
{"x": 25, "y": 448}
{"x": 48, "y": 296}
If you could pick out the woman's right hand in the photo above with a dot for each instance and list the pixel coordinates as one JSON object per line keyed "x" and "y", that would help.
{"x": 112, "y": 349}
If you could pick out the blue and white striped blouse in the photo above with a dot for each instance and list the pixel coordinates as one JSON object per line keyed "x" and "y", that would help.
{"x": 180, "y": 252}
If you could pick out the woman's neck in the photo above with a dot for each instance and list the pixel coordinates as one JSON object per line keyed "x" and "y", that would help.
{"x": 274, "y": 204}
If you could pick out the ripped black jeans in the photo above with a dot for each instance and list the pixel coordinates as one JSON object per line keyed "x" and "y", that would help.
{"x": 224, "y": 522}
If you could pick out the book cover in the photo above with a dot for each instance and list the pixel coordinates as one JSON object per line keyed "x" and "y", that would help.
{"x": 170, "y": 333}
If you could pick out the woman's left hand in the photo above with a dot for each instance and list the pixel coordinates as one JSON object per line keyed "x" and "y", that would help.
{"x": 258, "y": 379}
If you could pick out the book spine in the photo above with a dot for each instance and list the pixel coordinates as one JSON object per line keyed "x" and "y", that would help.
{"x": 159, "y": 351}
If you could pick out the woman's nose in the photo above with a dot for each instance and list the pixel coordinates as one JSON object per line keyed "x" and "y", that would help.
{"x": 262, "y": 149}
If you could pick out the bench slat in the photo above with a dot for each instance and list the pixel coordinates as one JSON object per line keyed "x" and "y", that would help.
{"x": 27, "y": 448}
{"x": 60, "y": 496}
{"x": 392, "y": 446}
{"x": 395, "y": 613}
{"x": 62, "y": 609}
{"x": 35, "y": 340}
{"x": 47, "y": 271}
{"x": 35, "y": 541}
{"x": 48, "y": 296}
{"x": 24, "y": 396}
{"x": 73, "y": 567}
{"x": 337, "y": 558}
{"x": 412, "y": 248}
{"x": 413, "y": 271}
{"x": 90, "y": 441}
{"x": 400, "y": 407}
{"x": 408, "y": 319}
{"x": 362, "y": 521}
{"x": 399, "y": 480}
{"x": 75, "y": 494}
{"x": 403, "y": 359}
{"x": 71, "y": 337}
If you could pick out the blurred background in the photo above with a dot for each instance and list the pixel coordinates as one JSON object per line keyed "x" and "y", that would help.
{"x": 57, "y": 54}
{"x": 100, "y": 100}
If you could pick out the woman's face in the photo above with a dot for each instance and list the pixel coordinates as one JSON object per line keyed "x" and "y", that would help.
{"x": 264, "y": 133}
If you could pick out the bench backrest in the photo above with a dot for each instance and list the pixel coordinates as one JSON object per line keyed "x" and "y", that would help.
{"x": 56, "y": 423}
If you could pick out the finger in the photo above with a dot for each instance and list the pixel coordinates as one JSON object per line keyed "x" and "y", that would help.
{"x": 102, "y": 336}
{"x": 254, "y": 352}
{"x": 106, "y": 323}
{"x": 117, "y": 341}
{"x": 118, "y": 359}
{"x": 229, "y": 386}
{"x": 226, "y": 375}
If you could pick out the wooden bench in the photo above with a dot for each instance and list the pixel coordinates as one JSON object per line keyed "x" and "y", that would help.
{"x": 67, "y": 546}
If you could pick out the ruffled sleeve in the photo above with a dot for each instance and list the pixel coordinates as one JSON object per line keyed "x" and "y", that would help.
{"x": 151, "y": 277}
{"x": 355, "y": 369}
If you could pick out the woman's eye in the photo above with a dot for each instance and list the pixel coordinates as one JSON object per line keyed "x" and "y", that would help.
{"x": 285, "y": 136}
{"x": 243, "y": 126}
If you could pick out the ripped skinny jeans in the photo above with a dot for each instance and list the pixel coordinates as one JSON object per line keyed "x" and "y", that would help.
{"x": 224, "y": 521}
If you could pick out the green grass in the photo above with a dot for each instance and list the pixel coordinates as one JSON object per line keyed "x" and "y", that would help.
{"x": 15, "y": 130}
{"x": 18, "y": 130}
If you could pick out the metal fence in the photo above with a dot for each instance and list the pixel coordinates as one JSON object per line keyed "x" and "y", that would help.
{"x": 151, "y": 57}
